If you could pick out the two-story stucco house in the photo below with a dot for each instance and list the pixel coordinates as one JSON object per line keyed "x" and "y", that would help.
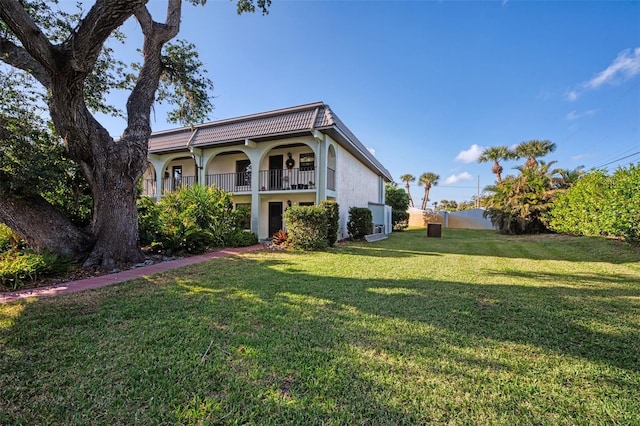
{"x": 271, "y": 160}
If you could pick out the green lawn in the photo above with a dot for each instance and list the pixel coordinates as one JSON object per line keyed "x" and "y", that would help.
{"x": 471, "y": 328}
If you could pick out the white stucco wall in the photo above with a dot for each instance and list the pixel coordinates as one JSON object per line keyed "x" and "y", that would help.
{"x": 225, "y": 163}
{"x": 356, "y": 186}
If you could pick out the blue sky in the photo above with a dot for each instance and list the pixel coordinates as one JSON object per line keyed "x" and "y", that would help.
{"x": 427, "y": 85}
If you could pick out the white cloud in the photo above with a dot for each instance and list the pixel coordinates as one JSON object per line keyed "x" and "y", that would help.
{"x": 372, "y": 151}
{"x": 573, "y": 115}
{"x": 458, "y": 178}
{"x": 625, "y": 66}
{"x": 572, "y": 96}
{"x": 470, "y": 155}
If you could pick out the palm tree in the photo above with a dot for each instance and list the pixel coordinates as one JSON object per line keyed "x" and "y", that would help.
{"x": 496, "y": 154}
{"x": 532, "y": 149}
{"x": 427, "y": 179}
{"x": 406, "y": 179}
{"x": 568, "y": 177}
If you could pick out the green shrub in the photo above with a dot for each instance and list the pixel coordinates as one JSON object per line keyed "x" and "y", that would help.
{"x": 149, "y": 225}
{"x": 16, "y": 267}
{"x": 601, "y": 204}
{"x": 360, "y": 222}
{"x": 306, "y": 227}
{"x": 241, "y": 238}
{"x": 333, "y": 220}
{"x": 520, "y": 204}
{"x": 400, "y": 219}
{"x": 8, "y": 239}
{"x": 192, "y": 220}
{"x": 398, "y": 199}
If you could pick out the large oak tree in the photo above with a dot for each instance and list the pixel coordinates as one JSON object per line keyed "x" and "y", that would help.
{"x": 66, "y": 54}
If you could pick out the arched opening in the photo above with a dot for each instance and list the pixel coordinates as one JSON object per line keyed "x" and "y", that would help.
{"x": 331, "y": 168}
{"x": 148, "y": 181}
{"x": 230, "y": 171}
{"x": 288, "y": 167}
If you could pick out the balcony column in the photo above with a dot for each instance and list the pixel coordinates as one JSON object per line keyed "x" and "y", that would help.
{"x": 158, "y": 165}
{"x": 198, "y": 159}
{"x": 321, "y": 167}
{"x": 254, "y": 153}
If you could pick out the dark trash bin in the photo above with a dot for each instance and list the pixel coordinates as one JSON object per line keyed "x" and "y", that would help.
{"x": 434, "y": 230}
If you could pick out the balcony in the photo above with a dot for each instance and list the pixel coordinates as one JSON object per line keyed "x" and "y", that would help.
{"x": 173, "y": 184}
{"x": 287, "y": 179}
{"x": 230, "y": 182}
{"x": 269, "y": 180}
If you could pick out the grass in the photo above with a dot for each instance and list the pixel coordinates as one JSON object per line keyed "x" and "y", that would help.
{"x": 471, "y": 328}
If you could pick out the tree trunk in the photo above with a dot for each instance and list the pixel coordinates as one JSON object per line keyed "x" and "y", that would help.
{"x": 113, "y": 183}
{"x": 409, "y": 194}
{"x": 42, "y": 226}
{"x": 112, "y": 168}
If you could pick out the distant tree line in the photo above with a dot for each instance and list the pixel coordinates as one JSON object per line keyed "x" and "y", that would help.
{"x": 543, "y": 198}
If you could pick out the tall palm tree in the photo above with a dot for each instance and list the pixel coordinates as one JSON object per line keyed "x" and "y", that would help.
{"x": 427, "y": 179}
{"x": 406, "y": 179}
{"x": 534, "y": 149}
{"x": 496, "y": 154}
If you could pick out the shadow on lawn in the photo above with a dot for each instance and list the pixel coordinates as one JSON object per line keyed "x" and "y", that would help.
{"x": 555, "y": 317}
{"x": 317, "y": 337}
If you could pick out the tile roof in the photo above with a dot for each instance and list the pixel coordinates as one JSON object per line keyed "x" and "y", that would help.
{"x": 293, "y": 121}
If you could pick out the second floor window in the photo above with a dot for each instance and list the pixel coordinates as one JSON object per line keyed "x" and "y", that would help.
{"x": 307, "y": 161}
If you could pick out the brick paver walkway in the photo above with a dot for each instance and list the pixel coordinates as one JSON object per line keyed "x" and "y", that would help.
{"x": 118, "y": 277}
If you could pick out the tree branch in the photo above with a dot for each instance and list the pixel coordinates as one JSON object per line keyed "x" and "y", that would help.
{"x": 142, "y": 96}
{"x": 26, "y": 30}
{"x": 17, "y": 57}
{"x": 93, "y": 31}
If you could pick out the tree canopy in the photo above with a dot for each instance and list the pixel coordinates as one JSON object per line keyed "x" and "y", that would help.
{"x": 61, "y": 63}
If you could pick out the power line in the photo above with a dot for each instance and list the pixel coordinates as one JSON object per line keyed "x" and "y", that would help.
{"x": 619, "y": 159}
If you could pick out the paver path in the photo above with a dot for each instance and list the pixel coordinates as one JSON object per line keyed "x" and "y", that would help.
{"x": 118, "y": 277}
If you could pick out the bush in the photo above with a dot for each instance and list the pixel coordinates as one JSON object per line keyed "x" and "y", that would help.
{"x": 280, "y": 238}
{"x": 400, "y": 219}
{"x": 149, "y": 225}
{"x": 398, "y": 199}
{"x": 241, "y": 238}
{"x": 192, "y": 220}
{"x": 520, "y": 204}
{"x": 333, "y": 220}
{"x": 360, "y": 222}
{"x": 16, "y": 268}
{"x": 601, "y": 205}
{"x": 8, "y": 239}
{"x": 306, "y": 227}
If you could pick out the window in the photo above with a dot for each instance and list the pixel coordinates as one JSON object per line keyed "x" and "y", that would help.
{"x": 307, "y": 161}
{"x": 243, "y": 173}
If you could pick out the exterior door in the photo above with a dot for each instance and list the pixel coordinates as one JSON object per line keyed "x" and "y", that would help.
{"x": 275, "y": 217}
{"x": 275, "y": 172}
